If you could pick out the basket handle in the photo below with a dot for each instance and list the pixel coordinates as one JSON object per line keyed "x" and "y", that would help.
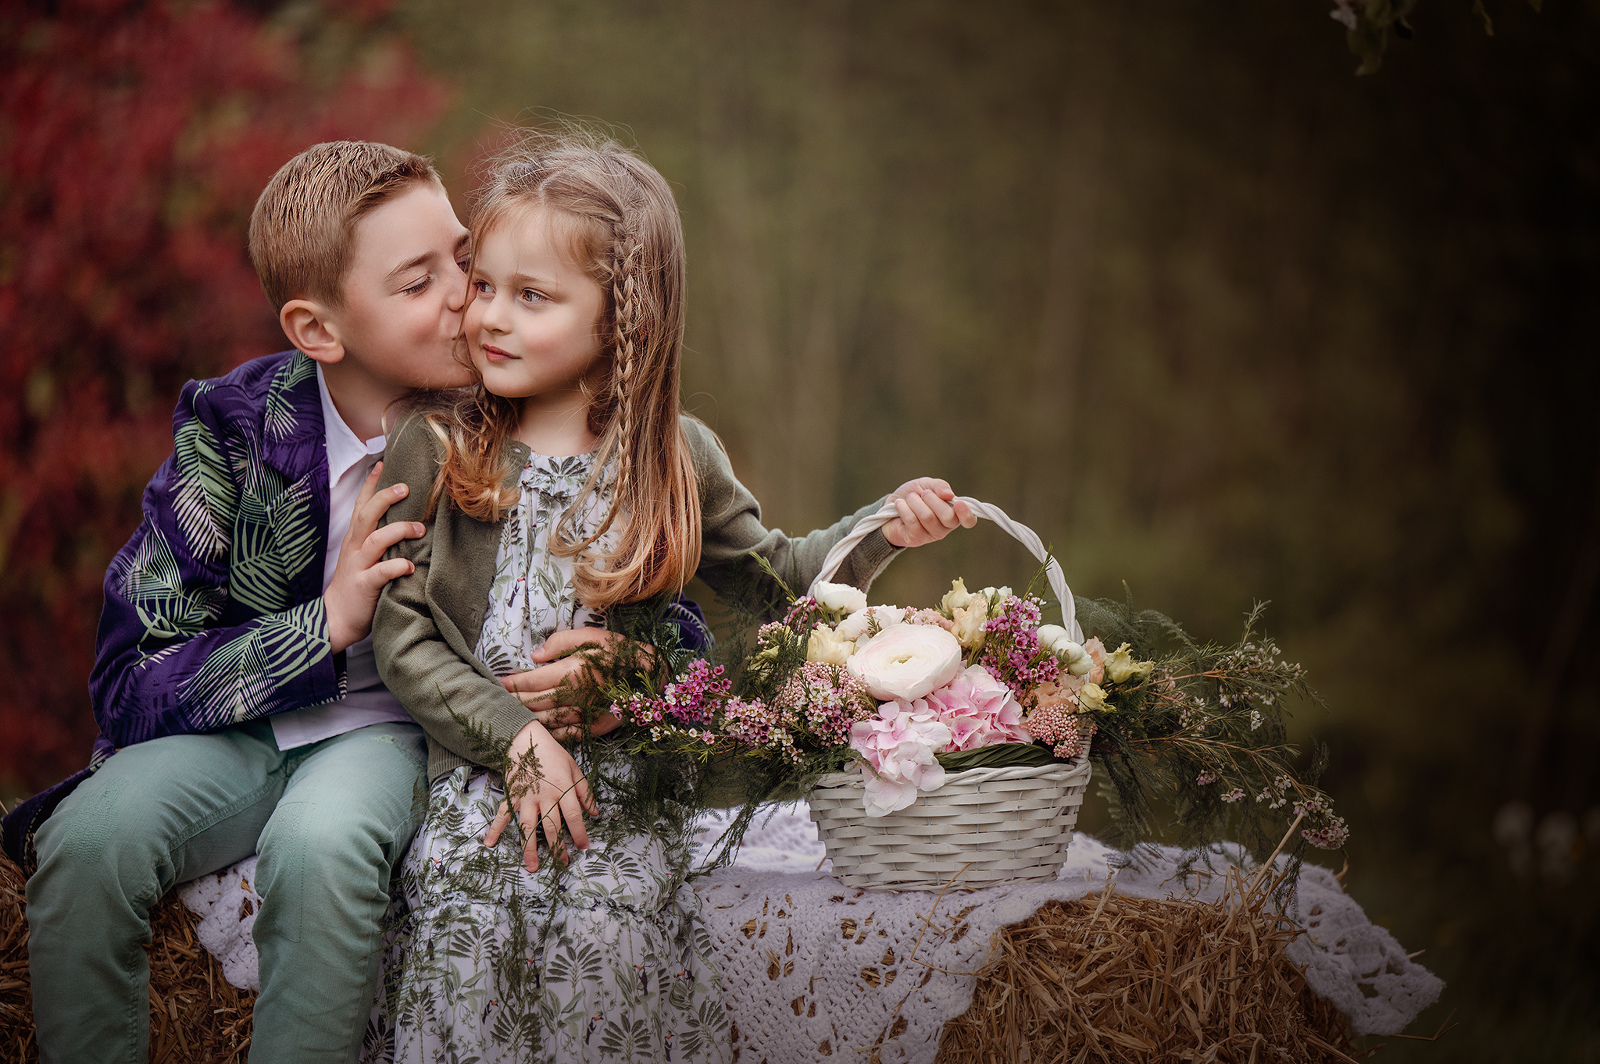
{"x": 1019, "y": 531}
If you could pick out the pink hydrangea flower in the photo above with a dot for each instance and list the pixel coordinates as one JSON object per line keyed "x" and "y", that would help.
{"x": 899, "y": 744}
{"x": 979, "y": 710}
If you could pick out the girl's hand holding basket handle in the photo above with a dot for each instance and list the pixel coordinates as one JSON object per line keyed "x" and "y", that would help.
{"x": 927, "y": 509}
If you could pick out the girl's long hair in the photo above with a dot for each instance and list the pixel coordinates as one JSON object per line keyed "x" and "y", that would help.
{"x": 627, "y": 235}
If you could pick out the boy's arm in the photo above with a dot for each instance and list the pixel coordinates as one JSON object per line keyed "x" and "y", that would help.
{"x": 459, "y": 706}
{"x": 162, "y": 664}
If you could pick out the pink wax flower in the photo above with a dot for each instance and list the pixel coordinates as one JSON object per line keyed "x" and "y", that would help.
{"x": 979, "y": 710}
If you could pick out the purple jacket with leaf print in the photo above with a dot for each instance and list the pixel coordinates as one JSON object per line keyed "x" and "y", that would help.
{"x": 213, "y": 609}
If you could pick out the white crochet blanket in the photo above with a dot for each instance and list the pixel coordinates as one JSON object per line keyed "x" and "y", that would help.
{"x": 813, "y": 968}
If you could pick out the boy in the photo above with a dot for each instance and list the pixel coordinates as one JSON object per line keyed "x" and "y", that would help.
{"x": 233, "y": 667}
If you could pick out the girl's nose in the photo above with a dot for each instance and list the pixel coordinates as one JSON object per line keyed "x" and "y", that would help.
{"x": 494, "y": 318}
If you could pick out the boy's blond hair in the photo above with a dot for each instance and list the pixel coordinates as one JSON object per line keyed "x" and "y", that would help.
{"x": 302, "y": 228}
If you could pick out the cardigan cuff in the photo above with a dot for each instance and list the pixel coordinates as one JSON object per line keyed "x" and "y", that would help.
{"x": 870, "y": 557}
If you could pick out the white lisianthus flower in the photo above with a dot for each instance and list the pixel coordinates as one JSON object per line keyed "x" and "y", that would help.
{"x": 969, "y": 621}
{"x": 1120, "y": 666}
{"x": 906, "y": 662}
{"x": 956, "y": 598}
{"x": 845, "y": 597}
{"x": 996, "y": 595}
{"x": 826, "y": 646}
{"x": 858, "y": 624}
{"x": 1091, "y": 698}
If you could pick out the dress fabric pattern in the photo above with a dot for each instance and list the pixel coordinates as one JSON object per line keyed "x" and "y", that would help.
{"x": 605, "y": 960}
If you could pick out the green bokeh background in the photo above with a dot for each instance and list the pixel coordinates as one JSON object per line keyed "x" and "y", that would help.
{"x": 1220, "y": 320}
{"x": 1217, "y": 318}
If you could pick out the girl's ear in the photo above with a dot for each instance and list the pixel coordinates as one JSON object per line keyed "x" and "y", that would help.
{"x": 310, "y": 327}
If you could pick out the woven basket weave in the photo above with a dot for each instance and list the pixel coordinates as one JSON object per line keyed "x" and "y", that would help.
{"x": 983, "y": 826}
{"x": 998, "y": 824}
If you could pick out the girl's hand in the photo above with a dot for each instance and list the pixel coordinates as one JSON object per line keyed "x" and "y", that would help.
{"x": 928, "y": 511}
{"x": 536, "y": 688}
{"x": 557, "y": 792}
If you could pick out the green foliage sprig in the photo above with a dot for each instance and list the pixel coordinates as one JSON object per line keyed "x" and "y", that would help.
{"x": 1369, "y": 24}
{"x": 1197, "y": 751}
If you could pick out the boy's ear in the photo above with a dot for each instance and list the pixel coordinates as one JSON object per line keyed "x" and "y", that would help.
{"x": 311, "y": 328}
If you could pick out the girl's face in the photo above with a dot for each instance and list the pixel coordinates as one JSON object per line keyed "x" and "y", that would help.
{"x": 533, "y": 321}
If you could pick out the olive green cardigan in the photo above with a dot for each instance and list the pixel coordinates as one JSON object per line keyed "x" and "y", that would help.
{"x": 427, "y": 624}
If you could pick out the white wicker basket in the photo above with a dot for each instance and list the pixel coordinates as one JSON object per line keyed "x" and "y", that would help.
{"x": 982, "y": 826}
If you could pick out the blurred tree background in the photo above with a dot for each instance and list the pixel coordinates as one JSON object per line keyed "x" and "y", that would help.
{"x": 1166, "y": 280}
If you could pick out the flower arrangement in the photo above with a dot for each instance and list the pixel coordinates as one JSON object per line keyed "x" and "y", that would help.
{"x": 912, "y": 694}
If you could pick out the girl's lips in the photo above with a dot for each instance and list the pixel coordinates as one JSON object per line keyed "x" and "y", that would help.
{"x": 494, "y": 354}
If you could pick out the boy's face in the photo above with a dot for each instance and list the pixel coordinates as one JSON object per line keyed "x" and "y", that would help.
{"x": 404, "y": 291}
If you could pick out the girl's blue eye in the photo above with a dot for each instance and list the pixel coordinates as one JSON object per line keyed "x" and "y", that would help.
{"x": 481, "y": 287}
{"x": 531, "y": 296}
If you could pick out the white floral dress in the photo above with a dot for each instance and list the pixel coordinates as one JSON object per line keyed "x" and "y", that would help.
{"x": 607, "y": 960}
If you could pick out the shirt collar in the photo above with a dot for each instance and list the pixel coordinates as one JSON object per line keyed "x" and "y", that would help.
{"x": 345, "y": 449}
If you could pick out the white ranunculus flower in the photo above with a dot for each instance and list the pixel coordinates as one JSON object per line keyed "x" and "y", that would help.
{"x": 859, "y": 623}
{"x": 906, "y": 662}
{"x": 1055, "y": 639}
{"x": 1052, "y": 634}
{"x": 826, "y": 646}
{"x": 840, "y": 597}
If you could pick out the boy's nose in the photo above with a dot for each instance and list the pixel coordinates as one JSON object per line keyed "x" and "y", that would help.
{"x": 457, "y": 298}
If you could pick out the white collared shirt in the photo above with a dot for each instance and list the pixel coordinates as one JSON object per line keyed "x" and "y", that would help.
{"x": 366, "y": 700}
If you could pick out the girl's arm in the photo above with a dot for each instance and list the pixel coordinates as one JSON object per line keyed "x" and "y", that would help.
{"x": 731, "y": 530}
{"x": 421, "y": 654}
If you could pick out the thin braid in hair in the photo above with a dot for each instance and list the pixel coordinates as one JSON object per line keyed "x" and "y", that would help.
{"x": 627, "y": 234}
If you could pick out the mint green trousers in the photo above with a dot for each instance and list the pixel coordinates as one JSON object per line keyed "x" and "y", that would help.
{"x": 330, "y": 820}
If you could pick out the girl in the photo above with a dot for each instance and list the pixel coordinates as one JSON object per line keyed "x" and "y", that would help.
{"x": 565, "y": 482}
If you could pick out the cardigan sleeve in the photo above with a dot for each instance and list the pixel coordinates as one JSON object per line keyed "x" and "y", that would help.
{"x": 447, "y": 691}
{"x": 731, "y": 530}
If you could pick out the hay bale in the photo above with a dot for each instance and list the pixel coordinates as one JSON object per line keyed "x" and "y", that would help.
{"x": 195, "y": 1014}
{"x": 1106, "y": 978}
{"x": 1115, "y": 979}
{"x": 16, "y": 1002}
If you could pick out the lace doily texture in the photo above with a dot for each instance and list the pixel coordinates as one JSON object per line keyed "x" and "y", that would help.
{"x": 811, "y": 968}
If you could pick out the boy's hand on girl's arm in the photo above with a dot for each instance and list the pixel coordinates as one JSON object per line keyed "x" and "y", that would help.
{"x": 536, "y": 688}
{"x": 361, "y": 572}
{"x": 545, "y": 791}
{"x": 928, "y": 511}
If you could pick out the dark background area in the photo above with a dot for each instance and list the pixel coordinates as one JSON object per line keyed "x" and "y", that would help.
{"x": 1166, "y": 280}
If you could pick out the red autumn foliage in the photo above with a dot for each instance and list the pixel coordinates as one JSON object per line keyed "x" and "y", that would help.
{"x": 134, "y": 138}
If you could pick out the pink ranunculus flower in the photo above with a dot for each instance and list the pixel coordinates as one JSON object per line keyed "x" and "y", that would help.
{"x": 905, "y": 662}
{"x": 899, "y": 744}
{"x": 1097, "y": 654}
{"x": 979, "y": 710}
